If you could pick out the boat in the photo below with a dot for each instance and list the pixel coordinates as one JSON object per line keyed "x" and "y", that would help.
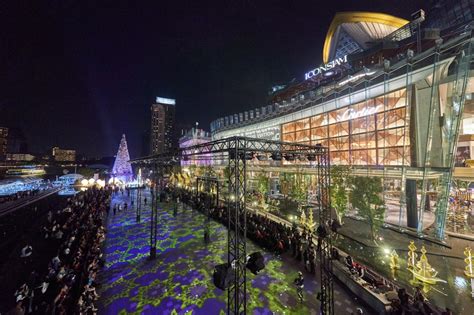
{"x": 29, "y": 170}
{"x": 69, "y": 179}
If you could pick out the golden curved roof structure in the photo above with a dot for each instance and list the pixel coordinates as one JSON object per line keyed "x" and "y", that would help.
{"x": 361, "y": 27}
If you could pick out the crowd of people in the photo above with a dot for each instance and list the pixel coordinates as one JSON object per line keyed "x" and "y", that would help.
{"x": 68, "y": 285}
{"x": 274, "y": 236}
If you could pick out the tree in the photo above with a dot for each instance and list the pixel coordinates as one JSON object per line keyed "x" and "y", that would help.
{"x": 366, "y": 198}
{"x": 340, "y": 181}
{"x": 209, "y": 171}
{"x": 299, "y": 188}
{"x": 263, "y": 182}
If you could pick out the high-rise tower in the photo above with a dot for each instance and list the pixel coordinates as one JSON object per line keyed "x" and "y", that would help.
{"x": 162, "y": 125}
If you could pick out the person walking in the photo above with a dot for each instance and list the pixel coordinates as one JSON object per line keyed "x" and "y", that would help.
{"x": 299, "y": 282}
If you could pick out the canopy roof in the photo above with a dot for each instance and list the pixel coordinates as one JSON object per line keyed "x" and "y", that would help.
{"x": 353, "y": 31}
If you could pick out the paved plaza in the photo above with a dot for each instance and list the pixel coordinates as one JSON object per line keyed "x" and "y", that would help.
{"x": 179, "y": 280}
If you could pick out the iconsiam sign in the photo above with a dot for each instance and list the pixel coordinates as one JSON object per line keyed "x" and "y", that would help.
{"x": 324, "y": 69}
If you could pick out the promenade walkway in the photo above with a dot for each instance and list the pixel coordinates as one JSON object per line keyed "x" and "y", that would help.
{"x": 180, "y": 278}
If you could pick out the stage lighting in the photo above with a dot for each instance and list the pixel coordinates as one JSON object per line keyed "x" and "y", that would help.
{"x": 249, "y": 155}
{"x": 301, "y": 157}
{"x": 276, "y": 156}
{"x": 255, "y": 262}
{"x": 311, "y": 157}
{"x": 222, "y": 276}
{"x": 289, "y": 157}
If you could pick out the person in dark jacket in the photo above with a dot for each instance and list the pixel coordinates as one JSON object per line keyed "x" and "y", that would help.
{"x": 299, "y": 282}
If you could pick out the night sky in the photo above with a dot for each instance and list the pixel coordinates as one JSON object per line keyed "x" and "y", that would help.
{"x": 78, "y": 74}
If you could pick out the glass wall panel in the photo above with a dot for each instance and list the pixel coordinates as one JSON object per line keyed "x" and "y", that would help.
{"x": 340, "y": 157}
{"x": 302, "y": 124}
{"x": 288, "y": 137}
{"x": 319, "y": 120}
{"x": 339, "y": 129}
{"x": 302, "y": 135}
{"x": 367, "y": 133}
{"x": 338, "y": 144}
{"x": 319, "y": 133}
{"x": 289, "y": 127}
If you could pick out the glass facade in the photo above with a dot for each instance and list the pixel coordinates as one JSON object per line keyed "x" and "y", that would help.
{"x": 371, "y": 132}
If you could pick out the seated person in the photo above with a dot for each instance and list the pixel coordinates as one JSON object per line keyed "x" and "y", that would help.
{"x": 349, "y": 263}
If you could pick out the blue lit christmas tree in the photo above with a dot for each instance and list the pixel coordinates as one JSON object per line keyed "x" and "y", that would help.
{"x": 122, "y": 169}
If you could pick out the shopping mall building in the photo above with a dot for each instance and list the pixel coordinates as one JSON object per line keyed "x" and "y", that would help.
{"x": 393, "y": 98}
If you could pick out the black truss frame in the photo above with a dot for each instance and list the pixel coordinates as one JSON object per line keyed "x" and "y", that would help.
{"x": 138, "y": 203}
{"x": 238, "y": 150}
{"x": 325, "y": 253}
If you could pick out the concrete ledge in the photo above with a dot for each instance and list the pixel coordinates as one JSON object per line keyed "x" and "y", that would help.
{"x": 377, "y": 302}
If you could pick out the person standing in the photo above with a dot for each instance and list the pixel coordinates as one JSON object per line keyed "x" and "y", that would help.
{"x": 299, "y": 282}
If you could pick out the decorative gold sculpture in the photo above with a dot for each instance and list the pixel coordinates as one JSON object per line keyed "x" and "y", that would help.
{"x": 303, "y": 218}
{"x": 423, "y": 271}
{"x": 310, "y": 223}
{"x": 394, "y": 260}
{"x": 469, "y": 272}
{"x": 411, "y": 255}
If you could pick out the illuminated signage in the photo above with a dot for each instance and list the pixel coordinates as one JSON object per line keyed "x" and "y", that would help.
{"x": 166, "y": 101}
{"x": 353, "y": 114}
{"x": 325, "y": 67}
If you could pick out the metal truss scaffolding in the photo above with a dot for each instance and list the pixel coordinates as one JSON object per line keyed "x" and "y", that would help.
{"x": 154, "y": 210}
{"x": 138, "y": 203}
{"x": 239, "y": 151}
{"x": 325, "y": 262}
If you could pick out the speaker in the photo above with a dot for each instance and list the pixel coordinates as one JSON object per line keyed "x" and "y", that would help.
{"x": 255, "y": 262}
{"x": 222, "y": 276}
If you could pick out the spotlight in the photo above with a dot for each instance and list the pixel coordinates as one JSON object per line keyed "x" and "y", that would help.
{"x": 222, "y": 276}
{"x": 301, "y": 157}
{"x": 255, "y": 262}
{"x": 289, "y": 157}
{"x": 311, "y": 157}
{"x": 249, "y": 155}
{"x": 276, "y": 156}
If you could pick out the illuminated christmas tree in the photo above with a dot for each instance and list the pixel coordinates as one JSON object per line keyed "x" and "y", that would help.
{"x": 122, "y": 169}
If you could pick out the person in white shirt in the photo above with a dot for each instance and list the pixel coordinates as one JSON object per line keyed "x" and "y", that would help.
{"x": 26, "y": 251}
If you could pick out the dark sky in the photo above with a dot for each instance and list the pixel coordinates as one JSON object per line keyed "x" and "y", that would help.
{"x": 79, "y": 73}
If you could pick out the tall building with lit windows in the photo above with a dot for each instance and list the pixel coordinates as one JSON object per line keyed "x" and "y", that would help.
{"x": 162, "y": 137}
{"x": 3, "y": 142}
{"x": 392, "y": 98}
